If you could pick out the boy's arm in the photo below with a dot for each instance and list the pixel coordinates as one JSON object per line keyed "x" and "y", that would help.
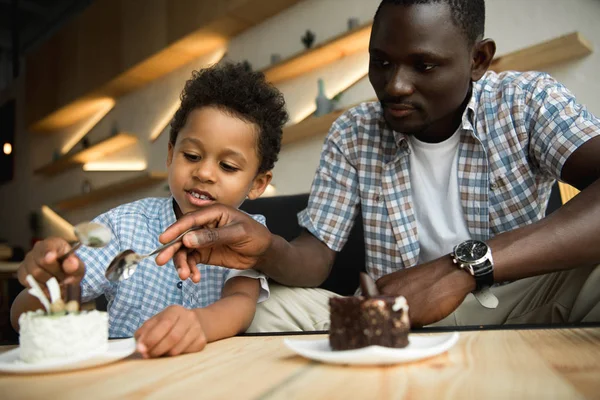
{"x": 177, "y": 330}
{"x": 233, "y": 313}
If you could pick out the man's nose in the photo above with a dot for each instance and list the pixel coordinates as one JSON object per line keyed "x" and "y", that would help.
{"x": 400, "y": 83}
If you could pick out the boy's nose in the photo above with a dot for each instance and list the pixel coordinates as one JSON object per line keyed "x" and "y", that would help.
{"x": 205, "y": 172}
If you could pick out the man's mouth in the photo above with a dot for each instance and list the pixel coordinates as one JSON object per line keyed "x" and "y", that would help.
{"x": 400, "y": 110}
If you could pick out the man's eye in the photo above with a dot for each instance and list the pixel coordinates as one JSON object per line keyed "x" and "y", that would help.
{"x": 191, "y": 157}
{"x": 379, "y": 62}
{"x": 228, "y": 168}
{"x": 424, "y": 67}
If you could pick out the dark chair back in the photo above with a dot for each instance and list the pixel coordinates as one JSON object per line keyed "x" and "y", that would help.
{"x": 281, "y": 214}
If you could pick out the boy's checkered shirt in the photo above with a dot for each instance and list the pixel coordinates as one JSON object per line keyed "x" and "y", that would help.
{"x": 152, "y": 288}
{"x": 516, "y": 134}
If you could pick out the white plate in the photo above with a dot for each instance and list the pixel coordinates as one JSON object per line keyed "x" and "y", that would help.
{"x": 10, "y": 361}
{"x": 419, "y": 347}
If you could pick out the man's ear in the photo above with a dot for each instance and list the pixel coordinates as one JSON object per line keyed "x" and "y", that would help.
{"x": 170, "y": 155}
{"x": 260, "y": 184}
{"x": 483, "y": 54}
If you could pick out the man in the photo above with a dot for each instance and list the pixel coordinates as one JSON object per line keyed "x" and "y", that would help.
{"x": 452, "y": 166}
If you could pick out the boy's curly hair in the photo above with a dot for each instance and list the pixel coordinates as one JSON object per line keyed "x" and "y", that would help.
{"x": 242, "y": 92}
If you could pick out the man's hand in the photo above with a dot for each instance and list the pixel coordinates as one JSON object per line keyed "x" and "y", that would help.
{"x": 42, "y": 263}
{"x": 175, "y": 330}
{"x": 433, "y": 290}
{"x": 230, "y": 238}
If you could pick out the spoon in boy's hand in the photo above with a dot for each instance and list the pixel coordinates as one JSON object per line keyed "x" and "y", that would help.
{"x": 126, "y": 262}
{"x": 89, "y": 234}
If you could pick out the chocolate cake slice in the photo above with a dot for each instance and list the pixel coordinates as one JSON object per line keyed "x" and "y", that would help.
{"x": 371, "y": 320}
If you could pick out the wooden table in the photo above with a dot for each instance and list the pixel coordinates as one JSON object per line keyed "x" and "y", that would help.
{"x": 503, "y": 364}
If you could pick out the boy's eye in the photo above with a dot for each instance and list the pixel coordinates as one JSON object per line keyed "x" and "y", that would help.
{"x": 228, "y": 167}
{"x": 191, "y": 157}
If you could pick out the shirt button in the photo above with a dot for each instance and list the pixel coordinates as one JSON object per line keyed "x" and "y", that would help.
{"x": 493, "y": 186}
{"x": 179, "y": 285}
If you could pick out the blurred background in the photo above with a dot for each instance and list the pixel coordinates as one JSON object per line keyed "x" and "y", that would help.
{"x": 88, "y": 87}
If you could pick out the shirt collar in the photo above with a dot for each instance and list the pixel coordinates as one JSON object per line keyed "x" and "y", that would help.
{"x": 167, "y": 213}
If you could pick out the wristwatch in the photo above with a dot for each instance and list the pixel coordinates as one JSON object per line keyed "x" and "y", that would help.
{"x": 475, "y": 257}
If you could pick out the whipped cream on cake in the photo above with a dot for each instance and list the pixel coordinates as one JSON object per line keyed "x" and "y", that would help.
{"x": 60, "y": 331}
{"x": 45, "y": 337}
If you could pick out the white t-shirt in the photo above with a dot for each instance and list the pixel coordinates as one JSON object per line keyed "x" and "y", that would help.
{"x": 436, "y": 200}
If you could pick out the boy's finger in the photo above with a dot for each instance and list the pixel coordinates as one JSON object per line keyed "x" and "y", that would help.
{"x": 146, "y": 327}
{"x": 157, "y": 332}
{"x": 175, "y": 335}
{"x": 196, "y": 345}
{"x": 182, "y": 345}
{"x": 72, "y": 265}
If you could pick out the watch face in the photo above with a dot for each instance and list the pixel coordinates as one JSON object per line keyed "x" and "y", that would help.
{"x": 471, "y": 250}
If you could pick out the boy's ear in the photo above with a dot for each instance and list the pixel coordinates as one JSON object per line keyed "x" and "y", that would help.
{"x": 483, "y": 54}
{"x": 170, "y": 155}
{"x": 260, "y": 184}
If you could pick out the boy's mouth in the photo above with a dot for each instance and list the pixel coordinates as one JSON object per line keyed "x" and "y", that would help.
{"x": 199, "y": 198}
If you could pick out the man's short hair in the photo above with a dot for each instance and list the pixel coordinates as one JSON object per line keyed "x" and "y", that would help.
{"x": 468, "y": 15}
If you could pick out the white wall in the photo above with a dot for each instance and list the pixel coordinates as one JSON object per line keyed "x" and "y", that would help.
{"x": 512, "y": 23}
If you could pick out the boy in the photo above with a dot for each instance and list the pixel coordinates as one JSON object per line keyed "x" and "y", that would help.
{"x": 223, "y": 144}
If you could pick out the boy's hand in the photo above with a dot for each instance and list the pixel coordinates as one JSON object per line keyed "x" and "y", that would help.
{"x": 42, "y": 263}
{"x": 175, "y": 330}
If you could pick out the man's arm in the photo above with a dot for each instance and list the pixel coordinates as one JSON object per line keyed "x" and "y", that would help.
{"x": 305, "y": 261}
{"x": 567, "y": 238}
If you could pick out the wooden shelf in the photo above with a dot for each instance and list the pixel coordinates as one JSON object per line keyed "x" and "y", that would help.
{"x": 64, "y": 78}
{"x": 106, "y": 192}
{"x": 564, "y": 48}
{"x": 92, "y": 153}
{"x": 341, "y": 46}
{"x": 553, "y": 51}
{"x": 309, "y": 127}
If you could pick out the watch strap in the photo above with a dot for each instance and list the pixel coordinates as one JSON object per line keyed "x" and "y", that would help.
{"x": 486, "y": 298}
{"x": 484, "y": 275}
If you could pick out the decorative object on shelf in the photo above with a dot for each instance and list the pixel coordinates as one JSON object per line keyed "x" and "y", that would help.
{"x": 85, "y": 142}
{"x": 247, "y": 65}
{"x": 86, "y": 186}
{"x": 353, "y": 23}
{"x": 308, "y": 39}
{"x": 336, "y": 102}
{"x": 324, "y": 105}
{"x": 115, "y": 129}
{"x": 275, "y": 58}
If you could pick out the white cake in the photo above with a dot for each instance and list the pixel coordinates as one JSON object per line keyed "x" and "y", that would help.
{"x": 51, "y": 337}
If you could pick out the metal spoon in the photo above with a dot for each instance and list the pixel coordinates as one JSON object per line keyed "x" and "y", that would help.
{"x": 89, "y": 234}
{"x": 125, "y": 263}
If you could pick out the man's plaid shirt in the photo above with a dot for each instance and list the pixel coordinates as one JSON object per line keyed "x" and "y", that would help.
{"x": 517, "y": 132}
